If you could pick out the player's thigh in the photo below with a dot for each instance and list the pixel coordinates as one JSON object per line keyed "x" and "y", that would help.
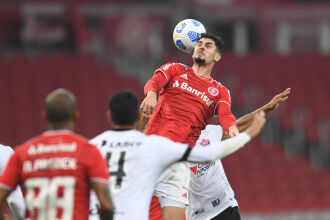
{"x": 230, "y": 213}
{"x": 173, "y": 183}
{"x": 173, "y": 213}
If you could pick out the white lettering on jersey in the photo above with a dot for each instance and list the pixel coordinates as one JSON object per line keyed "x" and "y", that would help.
{"x": 200, "y": 94}
{"x": 62, "y": 163}
{"x": 51, "y": 148}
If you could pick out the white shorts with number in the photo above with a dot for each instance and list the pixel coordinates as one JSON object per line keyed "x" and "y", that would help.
{"x": 173, "y": 185}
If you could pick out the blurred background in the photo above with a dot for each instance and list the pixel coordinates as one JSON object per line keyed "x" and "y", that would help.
{"x": 95, "y": 47}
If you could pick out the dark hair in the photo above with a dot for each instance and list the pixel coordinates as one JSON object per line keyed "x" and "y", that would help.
{"x": 60, "y": 106}
{"x": 216, "y": 38}
{"x": 124, "y": 107}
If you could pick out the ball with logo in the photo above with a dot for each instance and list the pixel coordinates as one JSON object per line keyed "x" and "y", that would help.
{"x": 186, "y": 33}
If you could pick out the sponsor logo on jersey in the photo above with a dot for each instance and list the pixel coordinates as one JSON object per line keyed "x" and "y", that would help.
{"x": 213, "y": 91}
{"x": 185, "y": 86}
{"x": 184, "y": 76}
{"x": 201, "y": 168}
{"x": 51, "y": 148}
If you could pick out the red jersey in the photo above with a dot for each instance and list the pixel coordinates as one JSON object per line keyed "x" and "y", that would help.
{"x": 186, "y": 103}
{"x": 54, "y": 171}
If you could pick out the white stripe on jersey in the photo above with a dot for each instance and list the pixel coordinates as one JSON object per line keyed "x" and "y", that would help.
{"x": 209, "y": 191}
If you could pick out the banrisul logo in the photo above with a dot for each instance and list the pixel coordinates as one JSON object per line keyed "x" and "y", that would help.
{"x": 188, "y": 88}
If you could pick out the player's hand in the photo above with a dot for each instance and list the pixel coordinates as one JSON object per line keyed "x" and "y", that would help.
{"x": 258, "y": 123}
{"x": 277, "y": 100}
{"x": 6, "y": 217}
{"x": 233, "y": 131}
{"x": 149, "y": 103}
{"x": 143, "y": 121}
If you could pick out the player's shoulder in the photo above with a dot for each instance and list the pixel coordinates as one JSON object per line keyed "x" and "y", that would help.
{"x": 218, "y": 84}
{"x": 174, "y": 66}
{"x": 214, "y": 129}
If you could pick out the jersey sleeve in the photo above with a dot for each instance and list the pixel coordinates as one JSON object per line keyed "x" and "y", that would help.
{"x": 219, "y": 149}
{"x": 170, "y": 151}
{"x": 161, "y": 77}
{"x": 9, "y": 178}
{"x": 223, "y": 110}
{"x": 96, "y": 166}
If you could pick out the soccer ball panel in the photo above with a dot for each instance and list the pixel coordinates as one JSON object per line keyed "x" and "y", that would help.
{"x": 186, "y": 33}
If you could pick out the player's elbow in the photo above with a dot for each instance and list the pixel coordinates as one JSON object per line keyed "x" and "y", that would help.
{"x": 106, "y": 211}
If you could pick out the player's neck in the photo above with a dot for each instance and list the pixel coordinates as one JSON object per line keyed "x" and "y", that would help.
{"x": 202, "y": 70}
{"x": 122, "y": 127}
{"x": 61, "y": 126}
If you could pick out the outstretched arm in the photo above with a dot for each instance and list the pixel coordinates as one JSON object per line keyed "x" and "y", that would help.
{"x": 244, "y": 122}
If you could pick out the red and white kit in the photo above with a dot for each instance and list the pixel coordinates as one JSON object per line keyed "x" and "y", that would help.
{"x": 185, "y": 106}
{"x": 54, "y": 171}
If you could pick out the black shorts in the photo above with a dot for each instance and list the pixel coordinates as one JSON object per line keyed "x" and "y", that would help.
{"x": 230, "y": 213}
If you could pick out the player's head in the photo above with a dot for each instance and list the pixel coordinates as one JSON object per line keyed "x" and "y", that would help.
{"x": 60, "y": 109}
{"x": 208, "y": 49}
{"x": 123, "y": 108}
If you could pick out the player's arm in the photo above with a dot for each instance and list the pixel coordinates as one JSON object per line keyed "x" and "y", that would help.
{"x": 153, "y": 86}
{"x": 229, "y": 146}
{"x": 99, "y": 177}
{"x": 142, "y": 122}
{"x": 244, "y": 122}
{"x": 8, "y": 181}
{"x": 103, "y": 194}
{"x": 226, "y": 118}
{"x": 4, "y": 193}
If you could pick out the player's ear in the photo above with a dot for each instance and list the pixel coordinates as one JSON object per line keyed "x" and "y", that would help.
{"x": 76, "y": 115}
{"x": 217, "y": 57}
{"x": 109, "y": 116}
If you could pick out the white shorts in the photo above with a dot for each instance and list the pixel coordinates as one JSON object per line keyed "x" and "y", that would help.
{"x": 173, "y": 185}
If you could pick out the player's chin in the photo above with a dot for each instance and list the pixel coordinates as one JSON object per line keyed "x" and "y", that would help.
{"x": 199, "y": 60}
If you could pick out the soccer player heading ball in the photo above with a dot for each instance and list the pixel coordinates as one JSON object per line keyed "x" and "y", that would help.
{"x": 188, "y": 98}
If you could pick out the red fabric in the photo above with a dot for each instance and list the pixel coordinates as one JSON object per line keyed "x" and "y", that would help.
{"x": 157, "y": 82}
{"x": 186, "y": 104}
{"x": 155, "y": 211}
{"x": 68, "y": 168}
{"x": 226, "y": 118}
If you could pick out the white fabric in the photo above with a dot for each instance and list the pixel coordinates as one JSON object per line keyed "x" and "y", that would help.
{"x": 146, "y": 157}
{"x": 209, "y": 190}
{"x": 143, "y": 159}
{"x": 15, "y": 200}
{"x": 173, "y": 185}
{"x": 163, "y": 202}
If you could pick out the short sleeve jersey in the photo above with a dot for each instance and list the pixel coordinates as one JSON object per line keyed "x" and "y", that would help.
{"x": 185, "y": 104}
{"x": 54, "y": 171}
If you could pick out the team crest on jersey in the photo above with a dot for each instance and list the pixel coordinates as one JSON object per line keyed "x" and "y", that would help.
{"x": 205, "y": 142}
{"x": 213, "y": 91}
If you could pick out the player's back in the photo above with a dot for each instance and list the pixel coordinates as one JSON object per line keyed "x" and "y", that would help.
{"x": 135, "y": 162}
{"x": 55, "y": 173}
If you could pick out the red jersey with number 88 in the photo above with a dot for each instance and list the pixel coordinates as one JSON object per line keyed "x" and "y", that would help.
{"x": 186, "y": 103}
{"x": 54, "y": 171}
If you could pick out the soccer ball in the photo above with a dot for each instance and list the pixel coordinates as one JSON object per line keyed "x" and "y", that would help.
{"x": 186, "y": 33}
